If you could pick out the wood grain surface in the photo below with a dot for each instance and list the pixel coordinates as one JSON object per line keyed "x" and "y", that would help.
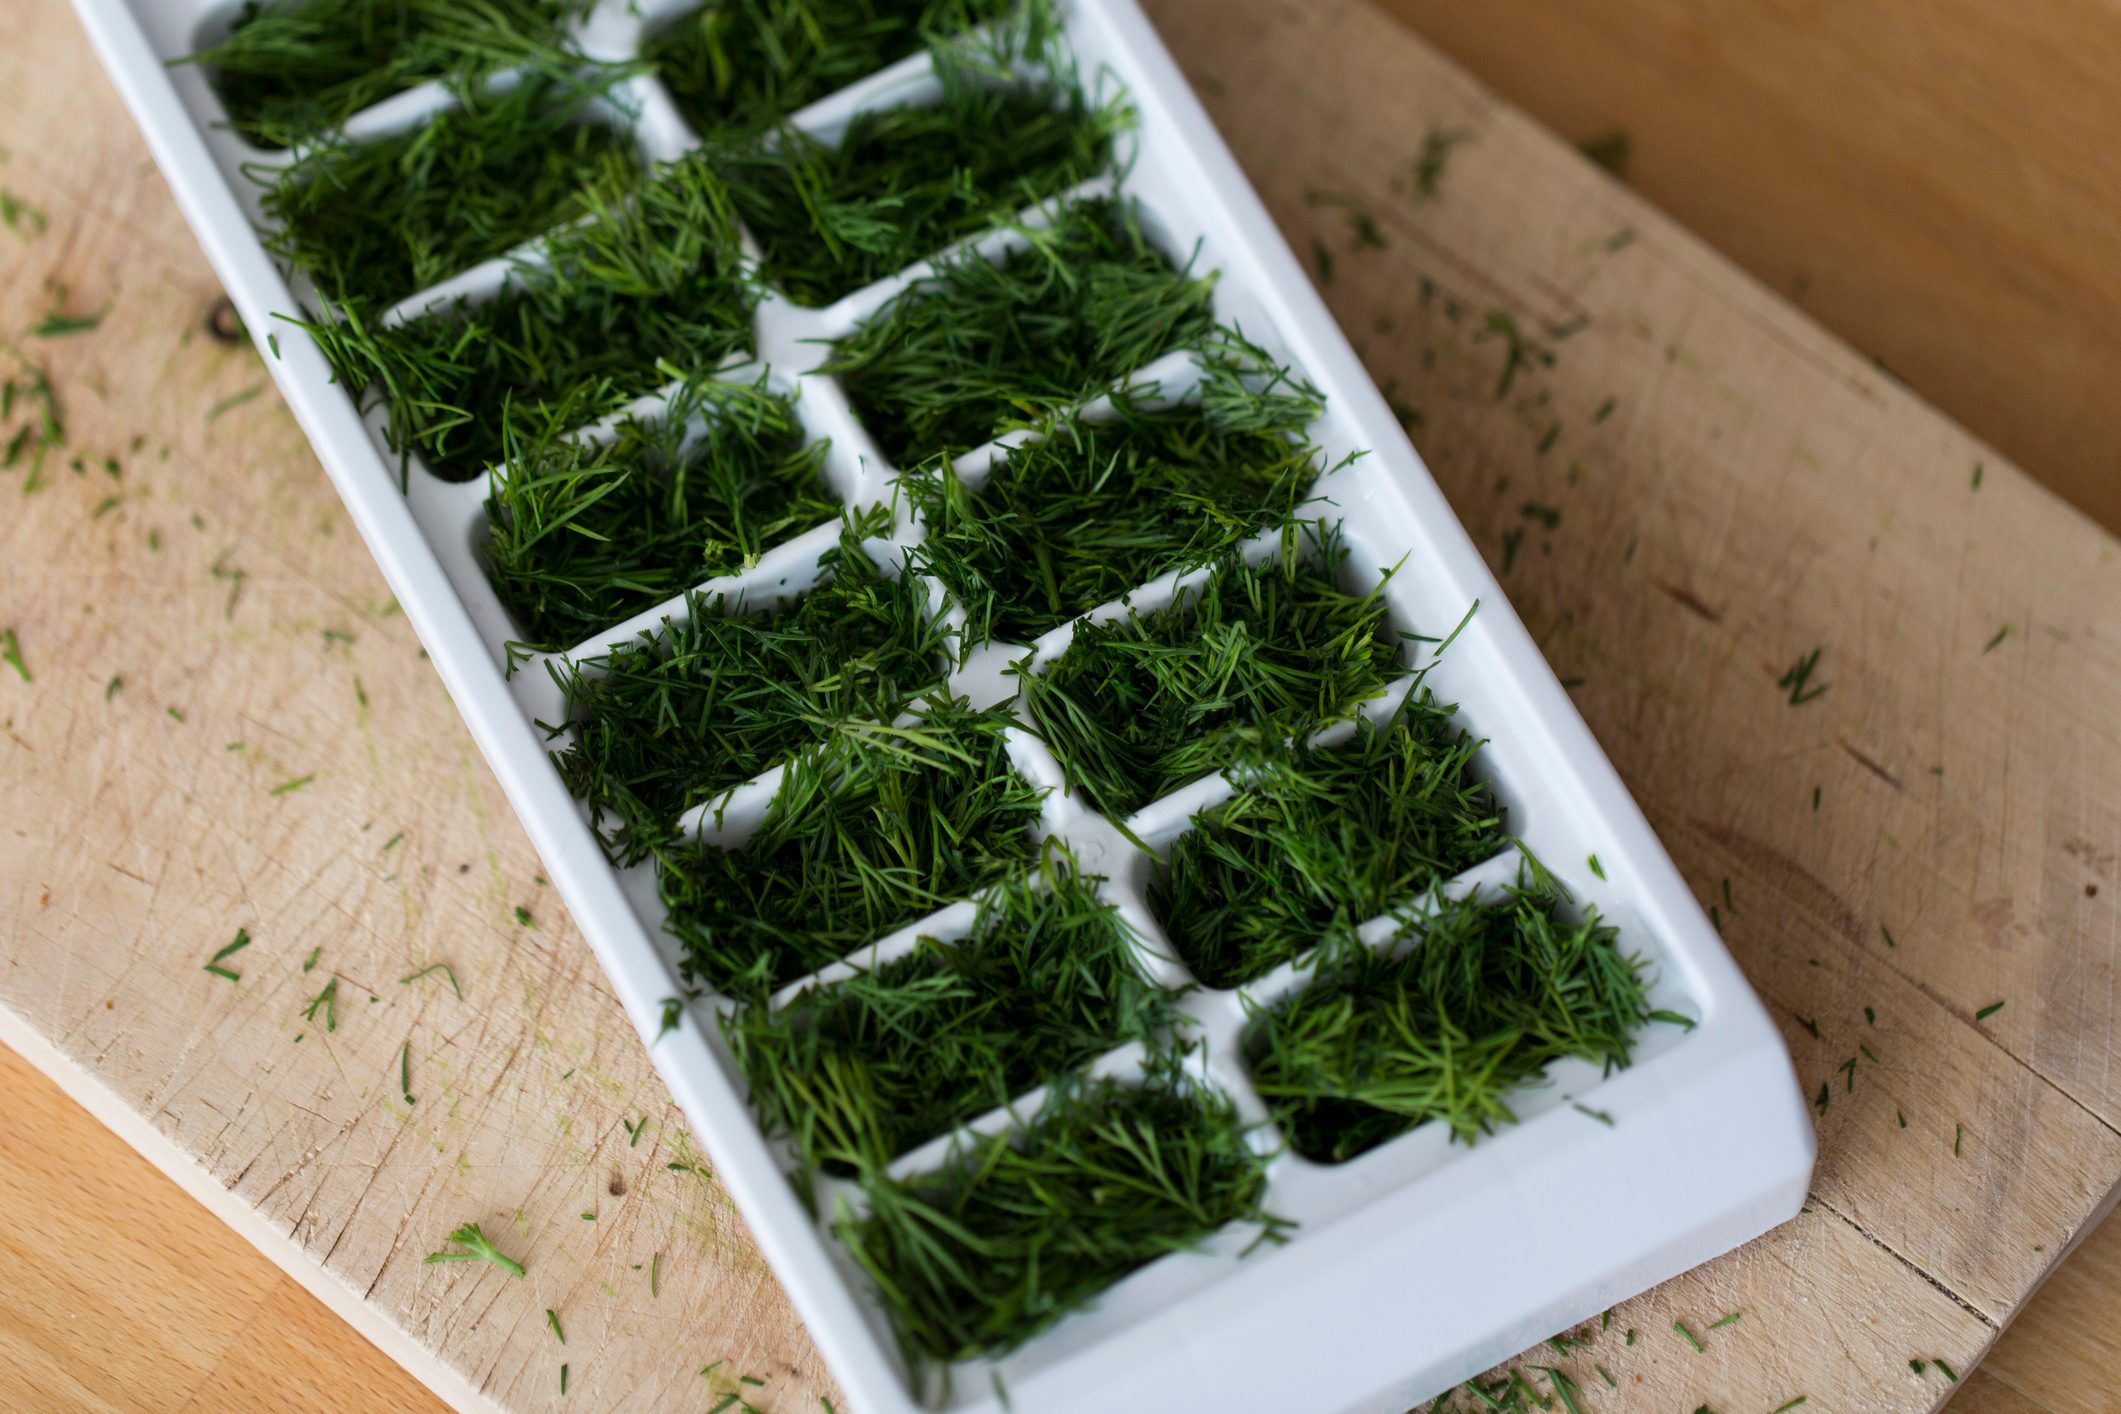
{"x": 1939, "y": 183}
{"x": 1701, "y": 488}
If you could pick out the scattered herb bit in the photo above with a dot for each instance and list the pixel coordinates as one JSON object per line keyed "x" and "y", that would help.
{"x": 1549, "y": 516}
{"x": 523, "y": 918}
{"x": 231, "y": 575}
{"x": 1362, "y": 225}
{"x": 1977, "y": 475}
{"x": 405, "y": 1072}
{"x": 1958, "y": 1133}
{"x": 563, "y": 1378}
{"x": 1988, "y": 1011}
{"x": 1918, "y": 1366}
{"x": 20, "y": 217}
{"x": 479, "y": 1250}
{"x": 1140, "y": 705}
{"x": 1869, "y": 1054}
{"x": 1596, "y": 867}
{"x": 1322, "y": 838}
{"x": 1727, "y": 904}
{"x": 673, "y": 1013}
{"x": 870, "y": 1067}
{"x": 1428, "y": 168}
{"x": 294, "y": 785}
{"x": 1870, "y": 1016}
{"x": 986, "y": 345}
{"x": 1888, "y": 933}
{"x": 1799, "y": 675}
{"x": 1730, "y": 1320}
{"x": 110, "y": 689}
{"x": 1902, "y": 1117}
{"x": 1511, "y": 540}
{"x": 1605, "y": 410}
{"x": 175, "y": 714}
{"x": 1848, "y": 1068}
{"x": 213, "y": 965}
{"x": 57, "y": 324}
{"x": 1825, "y": 1096}
{"x": 1691, "y": 1338}
{"x": 1815, "y": 800}
{"x": 310, "y": 962}
{"x": 11, "y": 654}
{"x": 655, "y": 1275}
{"x": 1016, "y": 1230}
{"x": 328, "y": 1000}
{"x": 1810, "y": 1024}
{"x": 1949, "y": 1372}
{"x": 234, "y": 400}
{"x": 1519, "y": 350}
{"x": 2001, "y": 634}
{"x": 1609, "y": 150}
{"x": 442, "y": 967}
{"x": 633, "y": 1129}
{"x": 552, "y": 1319}
{"x": 1604, "y": 1117}
{"x": 1322, "y": 256}
{"x": 1380, "y": 1041}
{"x": 1610, "y": 1382}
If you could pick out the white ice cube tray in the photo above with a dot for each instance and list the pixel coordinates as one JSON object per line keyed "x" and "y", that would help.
{"x": 1410, "y": 1267}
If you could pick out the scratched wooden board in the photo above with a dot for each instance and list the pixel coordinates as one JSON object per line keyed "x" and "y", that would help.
{"x": 1755, "y": 491}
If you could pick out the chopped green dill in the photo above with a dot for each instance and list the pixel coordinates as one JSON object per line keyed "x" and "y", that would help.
{"x": 478, "y": 1250}
{"x": 287, "y": 787}
{"x": 523, "y": 918}
{"x": 1596, "y": 867}
{"x": 1322, "y": 838}
{"x": 1362, "y": 225}
{"x": 1888, "y": 933}
{"x": 337, "y": 635}
{"x": 1605, "y": 410}
{"x": 1988, "y": 1011}
{"x": 58, "y": 323}
{"x": 1016, "y": 1230}
{"x": 1549, "y": 516}
{"x": 1815, "y": 800}
{"x": 655, "y": 1275}
{"x": 621, "y": 294}
{"x": 442, "y": 967}
{"x": 1728, "y": 905}
{"x": 1609, "y": 150}
{"x": 1691, "y": 1338}
{"x": 233, "y": 401}
{"x": 392, "y": 842}
{"x": 328, "y": 1000}
{"x": 1611, "y": 1383}
{"x": 20, "y": 217}
{"x": 751, "y": 1380}
{"x": 11, "y": 654}
{"x": 1140, "y": 705}
{"x": 1088, "y": 511}
{"x": 1787, "y": 1405}
{"x": 2001, "y": 634}
{"x": 902, "y": 183}
{"x": 405, "y": 1072}
{"x": 1977, "y": 475}
{"x": 1322, "y": 256}
{"x": 871, "y": 829}
{"x": 1901, "y": 1115}
{"x": 1848, "y": 1068}
{"x": 633, "y": 1129}
{"x": 1869, "y": 1054}
{"x": 1428, "y": 168}
{"x": 309, "y": 963}
{"x": 1730, "y": 1320}
{"x": 869, "y": 1067}
{"x": 552, "y": 1319}
{"x": 750, "y": 63}
{"x": 1949, "y": 1372}
{"x": 1918, "y": 1366}
{"x": 673, "y": 1011}
{"x": 1958, "y": 1133}
{"x": 1487, "y": 996}
{"x": 1519, "y": 351}
{"x": 111, "y": 688}
{"x": 1798, "y": 678}
{"x": 1810, "y": 1024}
{"x": 987, "y": 345}
{"x": 563, "y": 1377}
{"x": 678, "y": 716}
{"x": 582, "y": 534}
{"x": 240, "y": 942}
{"x": 1604, "y": 1117}
{"x": 377, "y": 221}
{"x": 175, "y": 715}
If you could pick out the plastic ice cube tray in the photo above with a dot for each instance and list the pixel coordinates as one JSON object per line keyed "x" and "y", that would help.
{"x": 1412, "y": 1266}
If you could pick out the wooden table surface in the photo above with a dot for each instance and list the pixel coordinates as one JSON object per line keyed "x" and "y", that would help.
{"x": 1758, "y": 490}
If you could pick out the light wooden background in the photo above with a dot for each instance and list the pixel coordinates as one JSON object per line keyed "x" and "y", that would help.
{"x": 115, "y": 1292}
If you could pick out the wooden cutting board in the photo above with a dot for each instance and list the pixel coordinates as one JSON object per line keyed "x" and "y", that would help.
{"x": 1686, "y": 488}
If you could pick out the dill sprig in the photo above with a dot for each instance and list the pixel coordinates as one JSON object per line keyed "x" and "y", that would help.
{"x": 376, "y": 221}
{"x": 287, "y": 72}
{"x": 678, "y": 716}
{"x": 583, "y": 533}
{"x": 987, "y": 345}
{"x": 1140, "y": 705}
{"x": 902, "y": 183}
{"x": 861, "y": 1071}
{"x": 1475, "y": 1000}
{"x": 480, "y": 1250}
{"x": 870, "y": 830}
{"x": 1318, "y": 838}
{"x": 640, "y": 294}
{"x": 1090, "y": 510}
{"x": 746, "y": 63}
{"x": 1017, "y": 1230}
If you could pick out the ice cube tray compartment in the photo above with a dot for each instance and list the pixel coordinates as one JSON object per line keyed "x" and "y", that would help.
{"x": 1710, "y": 1143}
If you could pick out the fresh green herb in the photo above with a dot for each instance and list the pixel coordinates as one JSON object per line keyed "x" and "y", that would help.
{"x": 1519, "y": 351}
{"x": 1602, "y": 1116}
{"x": 110, "y": 689}
{"x": 1888, "y": 936}
{"x": 337, "y": 635}
{"x": 523, "y": 918}
{"x": 1549, "y": 516}
{"x": 1815, "y": 800}
{"x": 234, "y": 400}
{"x": 867, "y": 1068}
{"x": 376, "y": 221}
{"x": 1988, "y": 1011}
{"x": 752, "y": 62}
{"x": 1484, "y": 997}
{"x": 619, "y": 295}
{"x": 442, "y": 967}
{"x": 1428, "y": 168}
{"x": 1596, "y": 867}
{"x": 1140, "y": 705}
{"x": 673, "y": 1012}
{"x": 1918, "y": 1366}
{"x": 1609, "y": 150}
{"x": 213, "y": 965}
{"x": 1362, "y": 225}
{"x": 232, "y": 575}
{"x": 1605, "y": 410}
{"x": 904, "y": 182}
{"x": 1016, "y": 1230}
{"x": 987, "y": 345}
{"x": 309, "y": 963}
{"x": 563, "y": 1378}
{"x": 287, "y": 72}
{"x": 677, "y": 717}
{"x": 328, "y": 1000}
{"x": 871, "y": 829}
{"x": 287, "y": 787}
{"x": 175, "y": 715}
{"x": 633, "y": 1129}
{"x": 2001, "y": 634}
{"x": 1799, "y": 676}
{"x": 582, "y": 534}
{"x": 552, "y": 1319}
{"x": 655, "y": 1275}
{"x": 1728, "y": 905}
{"x": 11, "y": 654}
{"x": 58, "y": 323}
{"x": 1977, "y": 475}
{"x": 1902, "y": 1117}
{"x": 1691, "y": 1338}
{"x": 1949, "y": 1372}
{"x": 479, "y": 1250}
{"x": 1323, "y": 838}
{"x": 20, "y": 217}
{"x": 1787, "y": 1405}
{"x": 43, "y": 429}
{"x": 1958, "y": 1133}
{"x": 1730, "y": 1320}
{"x": 1322, "y": 256}
{"x": 1090, "y": 510}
